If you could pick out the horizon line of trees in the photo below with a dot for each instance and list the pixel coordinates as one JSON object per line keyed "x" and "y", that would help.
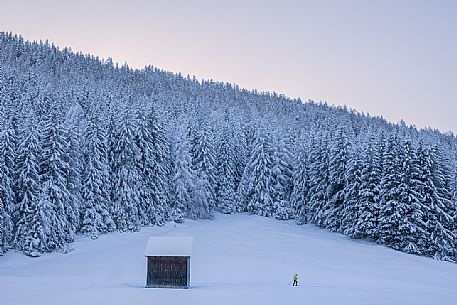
{"x": 87, "y": 147}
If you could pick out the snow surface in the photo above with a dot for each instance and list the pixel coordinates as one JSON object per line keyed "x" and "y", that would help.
{"x": 237, "y": 259}
{"x": 169, "y": 246}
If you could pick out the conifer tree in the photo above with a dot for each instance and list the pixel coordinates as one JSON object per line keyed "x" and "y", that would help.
{"x": 440, "y": 220}
{"x": 161, "y": 169}
{"x": 412, "y": 227}
{"x": 338, "y": 162}
{"x": 183, "y": 180}
{"x": 126, "y": 190}
{"x": 95, "y": 212}
{"x": 203, "y": 161}
{"x": 260, "y": 180}
{"x": 282, "y": 170}
{"x": 6, "y": 191}
{"x": 226, "y": 173}
{"x": 73, "y": 140}
{"x": 392, "y": 185}
{"x": 367, "y": 206}
{"x": 350, "y": 212}
{"x": 54, "y": 169}
{"x": 30, "y": 236}
{"x": 145, "y": 165}
{"x": 318, "y": 180}
{"x": 299, "y": 197}
{"x": 111, "y": 142}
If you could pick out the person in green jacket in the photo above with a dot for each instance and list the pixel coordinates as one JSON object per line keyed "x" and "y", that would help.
{"x": 295, "y": 278}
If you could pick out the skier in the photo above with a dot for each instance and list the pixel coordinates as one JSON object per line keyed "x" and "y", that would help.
{"x": 295, "y": 278}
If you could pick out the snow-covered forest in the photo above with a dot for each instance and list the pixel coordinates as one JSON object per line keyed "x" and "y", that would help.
{"x": 89, "y": 147}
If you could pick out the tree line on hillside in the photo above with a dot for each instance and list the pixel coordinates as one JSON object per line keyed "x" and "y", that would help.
{"x": 90, "y": 147}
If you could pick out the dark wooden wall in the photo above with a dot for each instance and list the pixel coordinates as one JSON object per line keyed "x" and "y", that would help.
{"x": 168, "y": 272}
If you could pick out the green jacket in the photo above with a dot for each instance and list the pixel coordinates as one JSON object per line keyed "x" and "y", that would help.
{"x": 295, "y": 277}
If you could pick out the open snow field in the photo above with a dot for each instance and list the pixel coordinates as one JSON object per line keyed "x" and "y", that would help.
{"x": 237, "y": 259}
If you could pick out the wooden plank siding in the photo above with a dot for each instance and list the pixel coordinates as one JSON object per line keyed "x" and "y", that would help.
{"x": 168, "y": 272}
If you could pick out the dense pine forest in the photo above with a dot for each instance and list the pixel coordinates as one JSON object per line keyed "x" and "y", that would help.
{"x": 89, "y": 147}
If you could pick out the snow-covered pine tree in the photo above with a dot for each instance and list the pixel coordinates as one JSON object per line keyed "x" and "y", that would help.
{"x": 30, "y": 235}
{"x": 226, "y": 169}
{"x": 4, "y": 236}
{"x": 282, "y": 169}
{"x": 95, "y": 209}
{"x": 241, "y": 149}
{"x": 241, "y": 195}
{"x": 440, "y": 220}
{"x": 111, "y": 142}
{"x": 6, "y": 223}
{"x": 183, "y": 204}
{"x": 412, "y": 227}
{"x": 9, "y": 146}
{"x": 338, "y": 162}
{"x": 367, "y": 207}
{"x": 298, "y": 198}
{"x": 203, "y": 160}
{"x": 54, "y": 169}
{"x": 7, "y": 155}
{"x": 393, "y": 186}
{"x": 390, "y": 217}
{"x": 126, "y": 190}
{"x": 201, "y": 198}
{"x": 318, "y": 180}
{"x": 454, "y": 189}
{"x": 74, "y": 138}
{"x": 162, "y": 170}
{"x": 145, "y": 165}
{"x": 350, "y": 212}
{"x": 260, "y": 179}
{"x": 244, "y": 144}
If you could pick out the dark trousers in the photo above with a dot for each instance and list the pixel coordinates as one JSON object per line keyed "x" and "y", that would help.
{"x": 295, "y": 283}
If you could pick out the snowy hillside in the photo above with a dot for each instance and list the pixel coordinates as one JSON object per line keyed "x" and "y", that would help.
{"x": 237, "y": 259}
{"x": 88, "y": 147}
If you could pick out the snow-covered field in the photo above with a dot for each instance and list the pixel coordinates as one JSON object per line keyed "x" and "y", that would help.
{"x": 237, "y": 259}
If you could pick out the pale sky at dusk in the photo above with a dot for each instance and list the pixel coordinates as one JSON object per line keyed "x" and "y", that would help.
{"x": 392, "y": 58}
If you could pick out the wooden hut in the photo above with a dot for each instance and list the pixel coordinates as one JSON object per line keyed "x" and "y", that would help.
{"x": 168, "y": 262}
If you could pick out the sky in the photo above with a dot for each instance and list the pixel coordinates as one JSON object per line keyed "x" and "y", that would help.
{"x": 392, "y": 58}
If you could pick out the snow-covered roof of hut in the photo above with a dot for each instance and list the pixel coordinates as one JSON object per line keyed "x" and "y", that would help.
{"x": 169, "y": 246}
